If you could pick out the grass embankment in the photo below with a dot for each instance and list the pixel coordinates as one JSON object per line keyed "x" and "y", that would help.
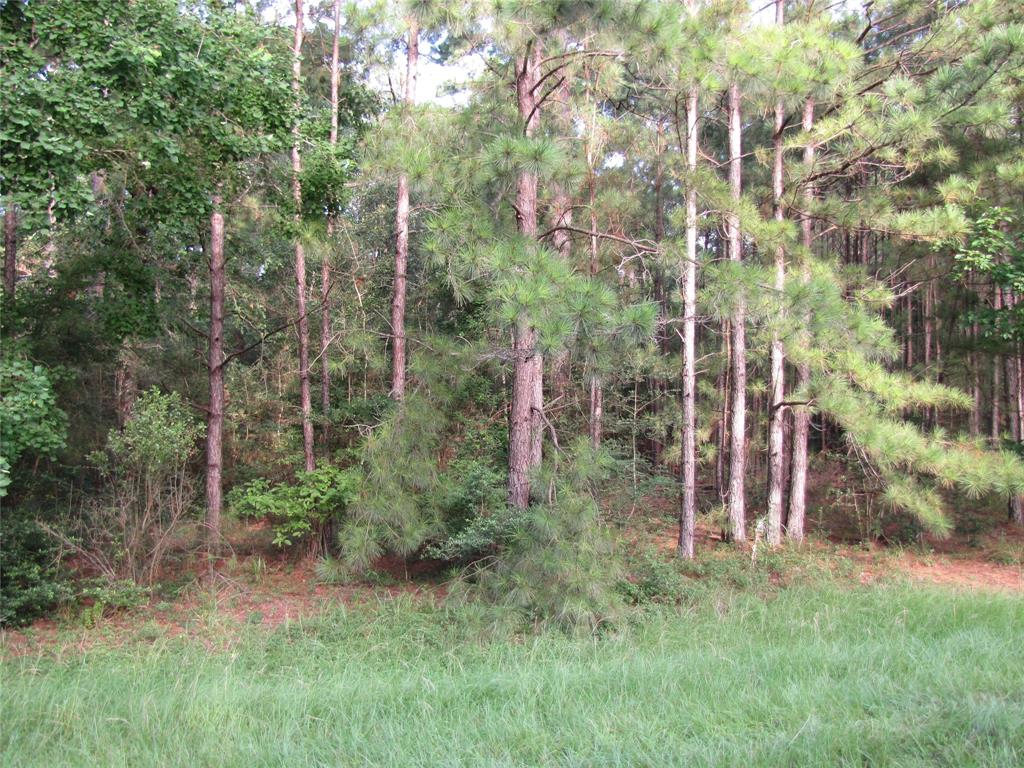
{"x": 811, "y": 676}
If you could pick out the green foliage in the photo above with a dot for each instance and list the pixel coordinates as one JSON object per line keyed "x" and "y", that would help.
{"x": 30, "y": 421}
{"x": 296, "y": 509}
{"x": 559, "y": 566}
{"x": 652, "y": 579}
{"x": 994, "y": 250}
{"x": 157, "y": 440}
{"x": 31, "y": 581}
{"x": 102, "y": 597}
{"x": 126, "y": 531}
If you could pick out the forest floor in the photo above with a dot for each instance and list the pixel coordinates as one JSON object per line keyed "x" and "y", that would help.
{"x": 261, "y": 585}
{"x": 827, "y": 654}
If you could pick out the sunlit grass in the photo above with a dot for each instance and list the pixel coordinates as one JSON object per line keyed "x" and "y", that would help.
{"x": 814, "y": 675}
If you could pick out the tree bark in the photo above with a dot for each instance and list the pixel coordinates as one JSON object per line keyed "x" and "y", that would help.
{"x": 738, "y": 447}
{"x": 10, "y": 248}
{"x": 525, "y": 419}
{"x": 325, "y": 267}
{"x": 398, "y": 337}
{"x": 975, "y": 419}
{"x": 997, "y": 384}
{"x": 215, "y": 367}
{"x": 300, "y": 254}
{"x": 688, "y": 511}
{"x": 801, "y": 416}
{"x": 777, "y": 383}
{"x": 1014, "y": 407}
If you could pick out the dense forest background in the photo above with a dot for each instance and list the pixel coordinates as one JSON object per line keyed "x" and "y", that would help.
{"x": 762, "y": 264}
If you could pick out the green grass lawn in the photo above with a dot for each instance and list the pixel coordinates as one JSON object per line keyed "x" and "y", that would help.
{"x": 815, "y": 676}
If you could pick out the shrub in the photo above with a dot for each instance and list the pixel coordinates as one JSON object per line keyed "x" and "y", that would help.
{"x": 651, "y": 579}
{"x": 31, "y": 582}
{"x": 103, "y": 597}
{"x": 30, "y": 421}
{"x": 471, "y": 502}
{"x": 296, "y": 510}
{"x": 126, "y": 532}
{"x": 559, "y": 566}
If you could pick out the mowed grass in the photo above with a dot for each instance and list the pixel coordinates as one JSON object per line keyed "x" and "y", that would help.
{"x": 812, "y": 676}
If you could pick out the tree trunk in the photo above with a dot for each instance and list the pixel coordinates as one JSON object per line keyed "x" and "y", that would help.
{"x": 561, "y": 216}
{"x": 398, "y": 337}
{"x": 801, "y": 415}
{"x": 909, "y": 350}
{"x": 325, "y": 268}
{"x": 525, "y": 419}
{"x": 688, "y": 512}
{"x": 10, "y": 248}
{"x": 1014, "y": 407}
{"x": 975, "y": 419}
{"x": 738, "y": 448}
{"x": 215, "y": 367}
{"x": 777, "y": 384}
{"x": 997, "y": 384}
{"x": 300, "y": 254}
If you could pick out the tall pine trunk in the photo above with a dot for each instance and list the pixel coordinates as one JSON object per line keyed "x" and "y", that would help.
{"x": 524, "y": 420}
{"x": 801, "y": 416}
{"x": 688, "y": 512}
{"x": 738, "y": 447}
{"x": 300, "y": 254}
{"x": 215, "y": 366}
{"x": 997, "y": 379}
{"x": 777, "y": 384}
{"x": 1015, "y": 405}
{"x": 561, "y": 217}
{"x": 325, "y": 268}
{"x": 975, "y": 418}
{"x": 402, "y": 233}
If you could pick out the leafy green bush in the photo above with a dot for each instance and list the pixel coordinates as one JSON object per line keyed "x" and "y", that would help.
{"x": 31, "y": 581}
{"x": 295, "y": 509}
{"x": 651, "y": 579}
{"x": 102, "y": 597}
{"x": 126, "y": 531}
{"x": 471, "y": 502}
{"x": 30, "y": 421}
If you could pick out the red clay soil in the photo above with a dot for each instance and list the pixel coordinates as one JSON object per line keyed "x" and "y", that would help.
{"x": 953, "y": 564}
{"x": 964, "y": 574}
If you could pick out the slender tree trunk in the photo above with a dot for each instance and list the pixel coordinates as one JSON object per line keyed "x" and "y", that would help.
{"x": 10, "y": 248}
{"x": 524, "y": 421}
{"x": 300, "y": 254}
{"x": 398, "y": 336}
{"x": 909, "y": 355}
{"x": 561, "y": 216}
{"x": 723, "y": 423}
{"x": 997, "y": 383}
{"x": 801, "y": 415}
{"x": 738, "y": 449}
{"x": 1014, "y": 407}
{"x": 596, "y": 412}
{"x": 688, "y": 512}
{"x": 325, "y": 268}
{"x": 777, "y": 384}
{"x": 975, "y": 422}
{"x": 596, "y": 390}
{"x": 657, "y": 382}
{"x": 215, "y": 367}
